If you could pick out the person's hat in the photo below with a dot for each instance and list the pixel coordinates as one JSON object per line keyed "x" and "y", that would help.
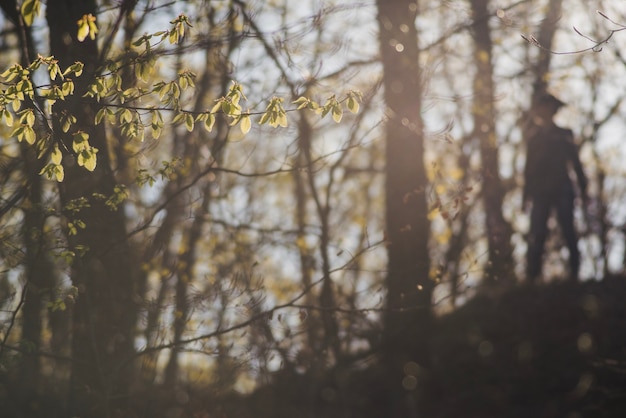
{"x": 547, "y": 98}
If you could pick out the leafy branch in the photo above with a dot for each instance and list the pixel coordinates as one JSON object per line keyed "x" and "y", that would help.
{"x": 115, "y": 102}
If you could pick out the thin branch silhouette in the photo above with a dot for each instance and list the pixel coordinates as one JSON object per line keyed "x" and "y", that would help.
{"x": 597, "y": 47}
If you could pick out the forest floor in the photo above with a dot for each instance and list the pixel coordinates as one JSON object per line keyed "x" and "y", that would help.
{"x": 550, "y": 351}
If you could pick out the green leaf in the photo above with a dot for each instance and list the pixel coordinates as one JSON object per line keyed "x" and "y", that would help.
{"x": 59, "y": 173}
{"x": 126, "y": 116}
{"x": 208, "y": 124}
{"x": 18, "y": 132}
{"x": 228, "y": 107}
{"x": 156, "y": 131}
{"x": 173, "y": 37}
{"x": 100, "y": 115}
{"x": 156, "y": 124}
{"x": 80, "y": 142}
{"x": 264, "y": 118}
{"x": 337, "y": 112}
{"x": 302, "y": 102}
{"x": 30, "y": 117}
{"x": 87, "y": 27}
{"x": 68, "y": 87}
{"x": 217, "y": 106}
{"x": 189, "y": 122}
{"x": 53, "y": 70}
{"x": 16, "y": 104}
{"x": 8, "y": 116}
{"x": 29, "y": 134}
{"x": 178, "y": 118}
{"x": 282, "y": 119}
{"x": 10, "y": 73}
{"x": 67, "y": 120}
{"x": 87, "y": 158}
{"x": 93, "y": 28}
{"x": 30, "y": 9}
{"x": 56, "y": 156}
{"x": 353, "y": 105}
{"x": 83, "y": 30}
{"x": 76, "y": 68}
{"x": 245, "y": 124}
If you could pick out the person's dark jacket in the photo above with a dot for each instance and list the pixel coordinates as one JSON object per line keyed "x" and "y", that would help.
{"x": 550, "y": 154}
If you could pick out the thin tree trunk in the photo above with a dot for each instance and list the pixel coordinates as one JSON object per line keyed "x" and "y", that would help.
{"x": 307, "y": 260}
{"x": 500, "y": 263}
{"x": 541, "y": 67}
{"x": 548, "y": 27}
{"x": 330, "y": 339}
{"x": 188, "y": 259}
{"x": 407, "y": 322}
{"x": 38, "y": 270}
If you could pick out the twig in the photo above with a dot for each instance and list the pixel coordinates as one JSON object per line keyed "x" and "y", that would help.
{"x": 595, "y": 48}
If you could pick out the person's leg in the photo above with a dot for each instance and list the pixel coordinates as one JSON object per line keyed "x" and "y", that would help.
{"x": 565, "y": 213}
{"x": 537, "y": 238}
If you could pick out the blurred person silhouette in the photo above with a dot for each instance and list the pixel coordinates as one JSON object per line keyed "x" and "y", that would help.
{"x": 551, "y": 157}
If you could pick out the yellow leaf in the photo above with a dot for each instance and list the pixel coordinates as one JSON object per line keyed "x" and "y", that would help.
{"x": 56, "y": 155}
{"x": 59, "y": 173}
{"x": 282, "y": 120}
{"x": 8, "y": 116}
{"x": 156, "y": 132}
{"x": 337, "y": 113}
{"x": 29, "y": 134}
{"x": 93, "y": 29}
{"x": 208, "y": 124}
{"x": 217, "y": 106}
{"x": 87, "y": 159}
{"x": 30, "y": 118}
{"x": 99, "y": 116}
{"x": 83, "y": 30}
{"x": 246, "y": 124}
{"x": 29, "y": 10}
{"x": 302, "y": 102}
{"x": 189, "y": 122}
{"x": 353, "y": 105}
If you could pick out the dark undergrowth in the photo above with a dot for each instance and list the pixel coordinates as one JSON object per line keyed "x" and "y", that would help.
{"x": 557, "y": 350}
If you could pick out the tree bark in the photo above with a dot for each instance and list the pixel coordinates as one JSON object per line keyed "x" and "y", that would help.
{"x": 547, "y": 29}
{"x": 39, "y": 277}
{"x": 38, "y": 268}
{"x": 500, "y": 263}
{"x": 105, "y": 311}
{"x": 541, "y": 67}
{"x": 407, "y": 322}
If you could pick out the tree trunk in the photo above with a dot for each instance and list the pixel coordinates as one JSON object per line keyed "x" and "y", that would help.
{"x": 407, "y": 322}
{"x": 105, "y": 310}
{"x": 38, "y": 270}
{"x": 547, "y": 30}
{"x": 541, "y": 67}
{"x": 500, "y": 263}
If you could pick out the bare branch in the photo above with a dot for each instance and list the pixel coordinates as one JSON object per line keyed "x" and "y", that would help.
{"x": 596, "y": 47}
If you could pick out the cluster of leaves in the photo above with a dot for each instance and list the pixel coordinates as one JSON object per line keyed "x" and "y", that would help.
{"x": 19, "y": 101}
{"x": 117, "y": 105}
